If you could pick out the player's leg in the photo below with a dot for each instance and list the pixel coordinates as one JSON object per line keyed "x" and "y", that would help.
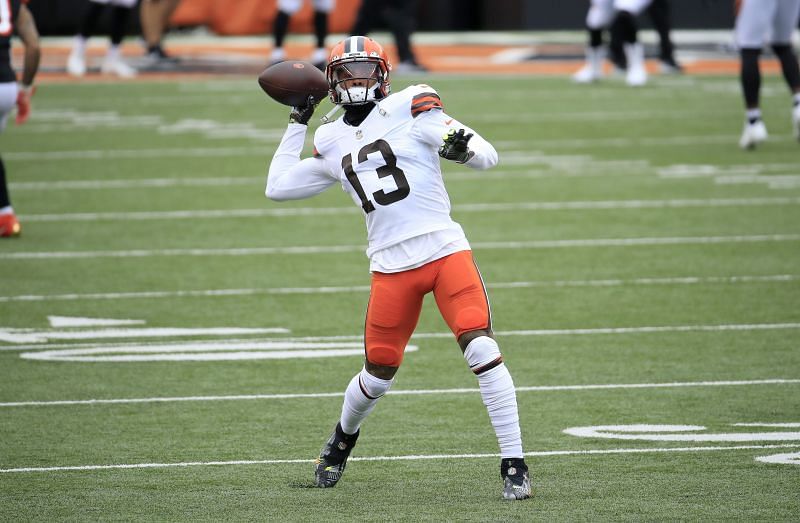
{"x": 597, "y": 20}
{"x": 9, "y": 226}
{"x": 280, "y": 27}
{"x": 113, "y": 63}
{"x": 660, "y": 16}
{"x": 76, "y": 62}
{"x": 462, "y": 300}
{"x": 322, "y": 9}
{"x": 752, "y": 25}
{"x": 394, "y": 306}
{"x": 154, "y": 18}
{"x": 367, "y": 17}
{"x": 783, "y": 25}
{"x": 625, "y": 29}
{"x": 400, "y": 16}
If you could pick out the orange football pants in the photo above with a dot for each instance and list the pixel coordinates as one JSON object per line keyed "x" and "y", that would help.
{"x": 395, "y": 303}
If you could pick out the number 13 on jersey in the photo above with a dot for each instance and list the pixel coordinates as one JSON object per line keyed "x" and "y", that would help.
{"x": 388, "y": 169}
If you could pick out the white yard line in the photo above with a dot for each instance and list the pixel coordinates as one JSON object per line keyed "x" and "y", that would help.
{"x": 265, "y": 151}
{"x": 679, "y": 280}
{"x": 473, "y": 207}
{"x": 419, "y": 392}
{"x": 414, "y": 457}
{"x": 105, "y": 154}
{"x": 334, "y": 249}
{"x": 38, "y": 345}
{"x": 176, "y": 181}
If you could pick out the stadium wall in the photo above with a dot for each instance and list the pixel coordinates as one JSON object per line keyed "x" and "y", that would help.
{"x": 248, "y": 17}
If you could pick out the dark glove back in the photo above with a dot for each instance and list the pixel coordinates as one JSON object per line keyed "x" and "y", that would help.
{"x": 455, "y": 146}
{"x": 302, "y": 113}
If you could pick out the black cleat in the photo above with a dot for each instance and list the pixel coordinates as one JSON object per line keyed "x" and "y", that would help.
{"x": 516, "y": 481}
{"x": 332, "y": 459}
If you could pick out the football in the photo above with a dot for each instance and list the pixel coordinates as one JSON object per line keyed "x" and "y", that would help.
{"x": 291, "y": 82}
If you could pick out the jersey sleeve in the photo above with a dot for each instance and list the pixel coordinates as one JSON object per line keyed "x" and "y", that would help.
{"x": 434, "y": 125}
{"x": 289, "y": 177}
{"x": 424, "y": 101}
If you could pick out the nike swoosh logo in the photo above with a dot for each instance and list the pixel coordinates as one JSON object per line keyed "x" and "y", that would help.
{"x": 448, "y": 121}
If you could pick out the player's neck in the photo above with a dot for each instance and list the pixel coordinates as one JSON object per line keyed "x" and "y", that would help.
{"x": 355, "y": 114}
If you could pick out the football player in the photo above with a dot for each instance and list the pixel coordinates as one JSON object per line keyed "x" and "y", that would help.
{"x": 113, "y": 62}
{"x": 756, "y": 20}
{"x": 620, "y": 17}
{"x": 154, "y": 18}
{"x": 286, "y": 8}
{"x": 385, "y": 152}
{"x": 399, "y": 16}
{"x": 16, "y": 18}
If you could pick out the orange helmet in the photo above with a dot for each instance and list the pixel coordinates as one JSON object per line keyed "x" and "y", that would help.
{"x": 358, "y": 71}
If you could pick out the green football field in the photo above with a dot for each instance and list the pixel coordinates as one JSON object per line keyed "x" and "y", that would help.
{"x": 173, "y": 346}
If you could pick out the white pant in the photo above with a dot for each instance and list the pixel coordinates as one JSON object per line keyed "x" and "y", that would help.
{"x": 292, "y": 6}
{"x": 766, "y": 21}
{"x": 8, "y": 99}
{"x": 601, "y": 12}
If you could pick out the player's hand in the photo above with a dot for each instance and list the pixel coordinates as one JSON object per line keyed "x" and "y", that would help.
{"x": 302, "y": 113}
{"x": 24, "y": 96}
{"x": 455, "y": 146}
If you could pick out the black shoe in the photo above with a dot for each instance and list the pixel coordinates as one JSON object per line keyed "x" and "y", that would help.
{"x": 333, "y": 458}
{"x": 670, "y": 66}
{"x": 516, "y": 481}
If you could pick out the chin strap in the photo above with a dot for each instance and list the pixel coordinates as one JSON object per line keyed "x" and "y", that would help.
{"x": 327, "y": 117}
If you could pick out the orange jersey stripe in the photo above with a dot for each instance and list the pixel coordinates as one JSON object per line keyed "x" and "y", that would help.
{"x": 425, "y": 102}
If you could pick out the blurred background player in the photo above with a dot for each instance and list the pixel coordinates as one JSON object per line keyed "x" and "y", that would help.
{"x": 154, "y": 17}
{"x": 757, "y": 22}
{"x": 620, "y": 17}
{"x": 660, "y": 16}
{"x": 21, "y": 23}
{"x": 400, "y": 17}
{"x": 287, "y": 8}
{"x": 113, "y": 63}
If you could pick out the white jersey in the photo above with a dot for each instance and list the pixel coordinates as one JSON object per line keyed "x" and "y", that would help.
{"x": 389, "y": 165}
{"x": 601, "y": 12}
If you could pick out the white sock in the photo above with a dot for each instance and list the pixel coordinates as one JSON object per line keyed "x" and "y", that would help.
{"x": 360, "y": 398}
{"x": 498, "y": 393}
{"x": 753, "y": 115}
{"x": 113, "y": 53}
{"x": 278, "y": 54}
{"x": 7, "y": 210}
{"x": 320, "y": 54}
{"x": 796, "y": 99}
{"x": 79, "y": 45}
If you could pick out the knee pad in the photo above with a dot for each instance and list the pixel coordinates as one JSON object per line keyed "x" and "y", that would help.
{"x": 470, "y": 319}
{"x": 384, "y": 355}
{"x": 482, "y": 354}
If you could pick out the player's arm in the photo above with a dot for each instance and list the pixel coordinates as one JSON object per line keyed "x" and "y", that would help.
{"x": 455, "y": 141}
{"x": 291, "y": 178}
{"x": 26, "y": 29}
